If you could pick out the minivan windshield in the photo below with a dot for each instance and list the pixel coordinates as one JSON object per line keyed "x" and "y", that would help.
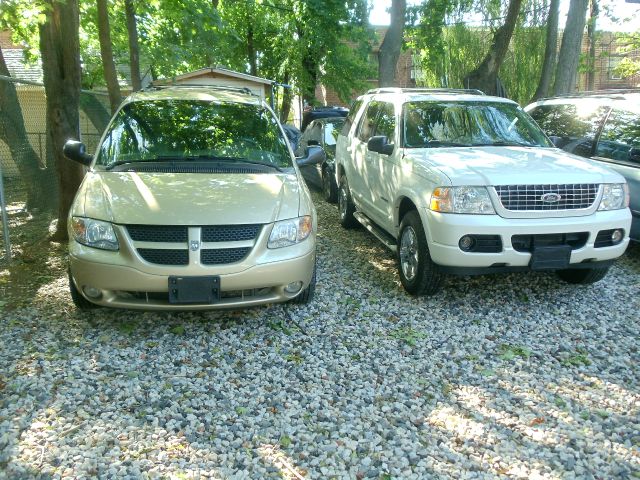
{"x": 188, "y": 130}
{"x": 469, "y": 124}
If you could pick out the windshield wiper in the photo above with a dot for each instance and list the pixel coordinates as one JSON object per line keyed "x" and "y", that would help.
{"x": 502, "y": 144}
{"x": 190, "y": 158}
{"x": 438, "y": 143}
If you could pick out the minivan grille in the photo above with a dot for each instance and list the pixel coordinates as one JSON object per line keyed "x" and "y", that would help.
{"x": 229, "y": 233}
{"x": 165, "y": 256}
{"x": 158, "y": 233}
{"x": 223, "y": 256}
{"x": 532, "y": 197}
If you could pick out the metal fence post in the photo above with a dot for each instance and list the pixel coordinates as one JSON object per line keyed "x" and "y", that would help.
{"x": 5, "y": 218}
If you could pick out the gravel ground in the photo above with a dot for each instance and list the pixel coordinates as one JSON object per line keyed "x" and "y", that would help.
{"x": 517, "y": 376}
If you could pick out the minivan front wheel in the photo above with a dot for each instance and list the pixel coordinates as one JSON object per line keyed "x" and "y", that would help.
{"x": 419, "y": 275}
{"x": 346, "y": 208}
{"x": 583, "y": 276}
{"x": 78, "y": 300}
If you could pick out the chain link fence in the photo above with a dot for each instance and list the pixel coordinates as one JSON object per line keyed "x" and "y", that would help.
{"x": 28, "y": 184}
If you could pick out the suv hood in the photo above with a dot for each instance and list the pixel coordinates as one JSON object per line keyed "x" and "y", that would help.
{"x": 510, "y": 166}
{"x": 187, "y": 199}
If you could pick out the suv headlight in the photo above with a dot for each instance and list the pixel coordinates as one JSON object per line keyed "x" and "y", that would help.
{"x": 614, "y": 196}
{"x": 94, "y": 233}
{"x": 290, "y": 232}
{"x": 472, "y": 200}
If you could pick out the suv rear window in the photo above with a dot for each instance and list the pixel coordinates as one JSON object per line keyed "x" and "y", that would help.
{"x": 467, "y": 124}
{"x": 185, "y": 130}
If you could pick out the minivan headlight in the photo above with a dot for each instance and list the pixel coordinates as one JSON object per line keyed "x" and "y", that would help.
{"x": 470, "y": 200}
{"x": 614, "y": 196}
{"x": 290, "y": 232}
{"x": 94, "y": 233}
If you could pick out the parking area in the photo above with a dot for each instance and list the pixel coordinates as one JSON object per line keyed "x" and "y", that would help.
{"x": 518, "y": 376}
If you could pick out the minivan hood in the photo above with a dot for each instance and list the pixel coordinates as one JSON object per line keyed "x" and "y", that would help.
{"x": 511, "y": 165}
{"x": 188, "y": 198}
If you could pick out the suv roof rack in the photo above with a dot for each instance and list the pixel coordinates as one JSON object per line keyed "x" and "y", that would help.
{"x": 469, "y": 91}
{"x": 214, "y": 87}
{"x": 596, "y": 93}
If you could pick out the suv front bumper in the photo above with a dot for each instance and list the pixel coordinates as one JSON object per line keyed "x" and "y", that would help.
{"x": 445, "y": 230}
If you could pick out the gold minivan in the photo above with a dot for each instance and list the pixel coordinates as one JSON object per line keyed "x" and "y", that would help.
{"x": 193, "y": 200}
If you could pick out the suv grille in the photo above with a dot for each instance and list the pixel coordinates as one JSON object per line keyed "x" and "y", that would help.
{"x": 558, "y": 197}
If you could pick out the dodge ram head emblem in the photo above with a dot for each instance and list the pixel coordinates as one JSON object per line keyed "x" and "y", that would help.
{"x": 195, "y": 245}
{"x": 551, "y": 197}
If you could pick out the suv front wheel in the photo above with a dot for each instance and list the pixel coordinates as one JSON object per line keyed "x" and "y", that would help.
{"x": 418, "y": 274}
{"x": 583, "y": 276}
{"x": 346, "y": 208}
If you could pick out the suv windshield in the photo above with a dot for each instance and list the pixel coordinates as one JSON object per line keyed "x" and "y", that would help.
{"x": 186, "y": 130}
{"x": 468, "y": 124}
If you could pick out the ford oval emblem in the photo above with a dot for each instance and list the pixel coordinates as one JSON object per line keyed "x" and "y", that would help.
{"x": 195, "y": 245}
{"x": 551, "y": 197}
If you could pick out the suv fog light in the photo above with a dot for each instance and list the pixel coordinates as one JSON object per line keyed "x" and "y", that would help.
{"x": 293, "y": 287}
{"x": 92, "y": 292}
{"x": 616, "y": 236}
{"x": 466, "y": 243}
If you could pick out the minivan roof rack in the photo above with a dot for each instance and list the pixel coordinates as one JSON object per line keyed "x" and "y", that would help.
{"x": 468, "y": 91}
{"x": 596, "y": 93}
{"x": 214, "y": 87}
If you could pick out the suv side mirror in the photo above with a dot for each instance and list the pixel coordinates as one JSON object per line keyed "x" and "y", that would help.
{"x": 313, "y": 155}
{"x": 634, "y": 155}
{"x": 380, "y": 144}
{"x": 76, "y": 151}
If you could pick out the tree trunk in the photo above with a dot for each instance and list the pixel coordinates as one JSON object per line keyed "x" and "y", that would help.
{"x": 106, "y": 52}
{"x": 391, "y": 45}
{"x": 134, "y": 50}
{"x": 251, "y": 52}
{"x": 485, "y": 77}
{"x": 60, "y": 52}
{"x": 94, "y": 109}
{"x": 591, "y": 35}
{"x": 14, "y": 134}
{"x": 287, "y": 98}
{"x": 569, "y": 56}
{"x": 550, "y": 51}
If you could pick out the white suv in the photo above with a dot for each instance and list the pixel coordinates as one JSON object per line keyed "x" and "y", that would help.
{"x": 458, "y": 182}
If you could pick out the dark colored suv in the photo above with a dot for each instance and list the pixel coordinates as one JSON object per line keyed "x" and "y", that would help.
{"x": 603, "y": 126}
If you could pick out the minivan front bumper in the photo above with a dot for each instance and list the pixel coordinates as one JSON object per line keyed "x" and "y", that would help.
{"x": 444, "y": 231}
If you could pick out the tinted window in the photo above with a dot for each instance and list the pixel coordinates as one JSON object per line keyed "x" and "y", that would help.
{"x": 368, "y": 122}
{"x": 442, "y": 124}
{"x": 349, "y": 120}
{"x": 575, "y": 126}
{"x": 157, "y": 130}
{"x": 619, "y": 135}
{"x": 386, "y": 124}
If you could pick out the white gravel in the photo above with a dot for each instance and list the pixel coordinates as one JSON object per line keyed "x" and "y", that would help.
{"x": 518, "y": 376}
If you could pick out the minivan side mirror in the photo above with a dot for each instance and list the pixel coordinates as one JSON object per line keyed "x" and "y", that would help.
{"x": 76, "y": 151}
{"x": 380, "y": 144}
{"x": 313, "y": 155}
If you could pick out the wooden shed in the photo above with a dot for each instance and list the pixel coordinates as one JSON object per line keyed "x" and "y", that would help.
{"x": 224, "y": 77}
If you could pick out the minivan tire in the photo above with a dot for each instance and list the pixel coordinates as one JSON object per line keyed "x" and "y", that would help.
{"x": 78, "y": 300}
{"x": 583, "y": 276}
{"x": 427, "y": 278}
{"x": 346, "y": 207}
{"x": 306, "y": 295}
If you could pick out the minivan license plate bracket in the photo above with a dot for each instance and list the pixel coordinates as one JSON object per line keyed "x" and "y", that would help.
{"x": 205, "y": 289}
{"x": 555, "y": 257}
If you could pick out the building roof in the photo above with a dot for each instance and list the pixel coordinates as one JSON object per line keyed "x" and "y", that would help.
{"x": 19, "y": 68}
{"x": 219, "y": 71}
